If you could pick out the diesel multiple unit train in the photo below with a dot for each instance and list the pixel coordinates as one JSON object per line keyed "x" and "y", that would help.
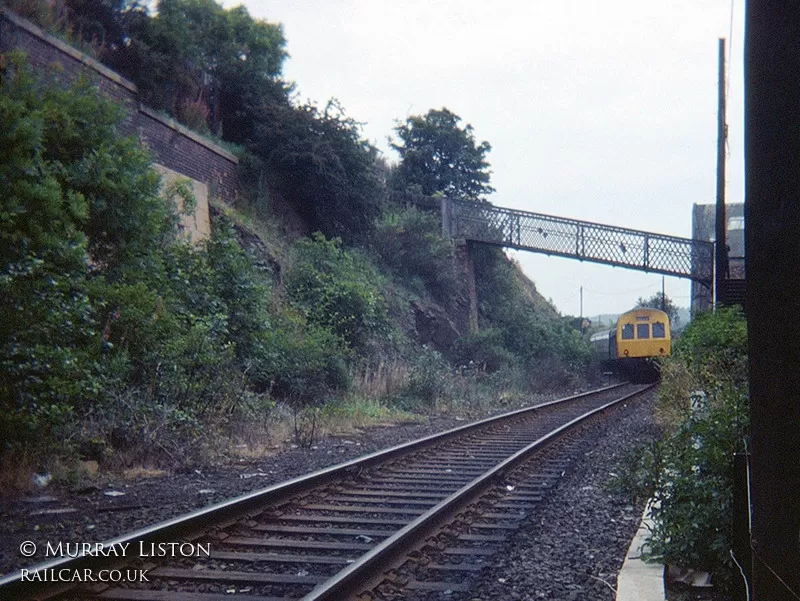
{"x": 628, "y": 350}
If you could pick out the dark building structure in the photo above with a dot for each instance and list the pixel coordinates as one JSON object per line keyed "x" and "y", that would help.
{"x": 703, "y": 219}
{"x": 772, "y": 189}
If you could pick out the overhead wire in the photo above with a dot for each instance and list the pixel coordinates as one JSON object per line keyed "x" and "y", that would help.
{"x": 648, "y": 287}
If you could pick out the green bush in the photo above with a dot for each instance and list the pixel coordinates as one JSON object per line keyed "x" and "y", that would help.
{"x": 714, "y": 349}
{"x": 65, "y": 173}
{"x": 430, "y": 380}
{"x": 300, "y": 362}
{"x": 105, "y": 313}
{"x": 409, "y": 242}
{"x": 180, "y": 327}
{"x": 484, "y": 349}
{"x": 200, "y": 341}
{"x": 338, "y": 289}
{"x": 242, "y": 290}
{"x": 529, "y": 332}
{"x": 694, "y": 488}
{"x": 322, "y": 165}
{"x": 689, "y": 471}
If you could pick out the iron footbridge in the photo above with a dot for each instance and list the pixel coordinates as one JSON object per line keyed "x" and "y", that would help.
{"x": 582, "y": 240}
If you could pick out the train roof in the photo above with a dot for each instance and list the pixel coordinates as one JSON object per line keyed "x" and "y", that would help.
{"x": 643, "y": 311}
{"x": 603, "y": 335}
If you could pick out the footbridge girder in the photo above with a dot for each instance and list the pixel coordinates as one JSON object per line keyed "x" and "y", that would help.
{"x": 582, "y": 240}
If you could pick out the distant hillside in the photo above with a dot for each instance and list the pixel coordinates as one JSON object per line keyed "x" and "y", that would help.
{"x": 609, "y": 319}
{"x": 606, "y": 319}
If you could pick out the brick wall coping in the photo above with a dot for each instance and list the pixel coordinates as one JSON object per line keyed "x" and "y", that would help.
{"x": 185, "y": 131}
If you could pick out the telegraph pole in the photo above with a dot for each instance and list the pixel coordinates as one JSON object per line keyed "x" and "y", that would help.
{"x": 721, "y": 254}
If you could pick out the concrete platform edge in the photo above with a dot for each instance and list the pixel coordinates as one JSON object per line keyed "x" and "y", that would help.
{"x": 637, "y": 580}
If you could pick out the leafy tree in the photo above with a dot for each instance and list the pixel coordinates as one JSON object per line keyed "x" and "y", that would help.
{"x": 217, "y": 40}
{"x": 663, "y": 302}
{"x": 322, "y": 165}
{"x": 242, "y": 55}
{"x": 204, "y": 64}
{"x": 100, "y": 23}
{"x": 219, "y": 69}
{"x": 74, "y": 199}
{"x": 437, "y": 155}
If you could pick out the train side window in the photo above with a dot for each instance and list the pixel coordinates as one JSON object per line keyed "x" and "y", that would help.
{"x": 659, "y": 331}
{"x": 627, "y": 331}
{"x": 643, "y": 330}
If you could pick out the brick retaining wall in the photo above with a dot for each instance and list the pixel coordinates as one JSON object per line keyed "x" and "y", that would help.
{"x": 173, "y": 145}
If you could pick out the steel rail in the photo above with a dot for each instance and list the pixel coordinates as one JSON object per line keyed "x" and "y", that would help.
{"x": 367, "y": 571}
{"x": 220, "y": 515}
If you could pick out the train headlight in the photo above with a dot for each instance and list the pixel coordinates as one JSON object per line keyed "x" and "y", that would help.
{"x": 661, "y": 350}
{"x": 625, "y": 352}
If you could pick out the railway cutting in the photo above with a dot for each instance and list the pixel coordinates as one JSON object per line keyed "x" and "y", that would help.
{"x": 420, "y": 519}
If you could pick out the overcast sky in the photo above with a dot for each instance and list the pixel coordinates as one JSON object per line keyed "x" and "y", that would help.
{"x": 597, "y": 111}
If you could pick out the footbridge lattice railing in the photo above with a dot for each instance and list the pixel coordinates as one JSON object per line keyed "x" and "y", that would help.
{"x": 583, "y": 240}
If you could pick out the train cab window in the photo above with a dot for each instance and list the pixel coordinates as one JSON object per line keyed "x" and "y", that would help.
{"x": 643, "y": 330}
{"x": 659, "y": 331}
{"x": 627, "y": 331}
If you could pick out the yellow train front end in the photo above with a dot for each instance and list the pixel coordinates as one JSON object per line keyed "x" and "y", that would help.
{"x": 642, "y": 336}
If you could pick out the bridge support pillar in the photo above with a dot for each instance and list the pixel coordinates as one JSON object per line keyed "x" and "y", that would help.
{"x": 466, "y": 304}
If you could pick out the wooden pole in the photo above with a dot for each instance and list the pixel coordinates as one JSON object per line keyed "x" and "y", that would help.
{"x": 721, "y": 253}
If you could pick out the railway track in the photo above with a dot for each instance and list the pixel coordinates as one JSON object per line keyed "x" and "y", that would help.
{"x": 420, "y": 518}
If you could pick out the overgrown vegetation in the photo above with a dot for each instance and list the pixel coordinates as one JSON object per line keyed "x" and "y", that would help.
{"x": 129, "y": 345}
{"x": 338, "y": 289}
{"x": 689, "y": 472}
{"x": 149, "y": 339}
{"x": 319, "y": 161}
{"x": 544, "y": 344}
{"x": 70, "y": 190}
{"x": 409, "y": 243}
